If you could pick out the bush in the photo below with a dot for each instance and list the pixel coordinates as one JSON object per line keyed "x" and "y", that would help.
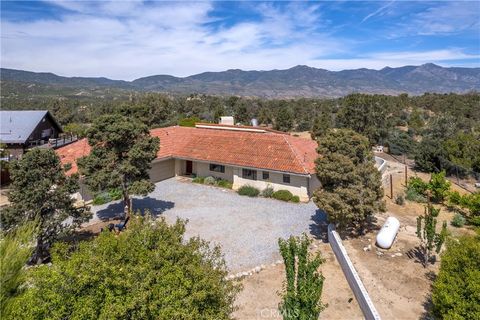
{"x": 439, "y": 186}
{"x": 458, "y": 220}
{"x": 418, "y": 185}
{"x": 248, "y": 191}
{"x": 115, "y": 194}
{"x": 209, "y": 180}
{"x": 283, "y": 195}
{"x": 224, "y": 183}
{"x": 198, "y": 179}
{"x": 268, "y": 192}
{"x": 412, "y": 195}
{"x": 138, "y": 274}
{"x": 101, "y": 198}
{"x": 457, "y": 287}
{"x": 188, "y": 122}
{"x": 454, "y": 198}
{"x": 399, "y": 199}
{"x": 295, "y": 199}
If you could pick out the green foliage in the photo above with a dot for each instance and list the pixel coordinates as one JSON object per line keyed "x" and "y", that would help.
{"x": 249, "y": 191}
{"x": 366, "y": 115}
{"x": 399, "y": 142}
{"x": 198, "y": 180}
{"x": 15, "y": 249}
{"x": 78, "y": 129}
{"x": 149, "y": 271}
{"x": 283, "y": 195}
{"x": 430, "y": 240}
{"x": 456, "y": 289}
{"x": 284, "y": 119}
{"x": 454, "y": 198}
{"x": 295, "y": 199}
{"x": 458, "y": 220}
{"x": 418, "y": 185}
{"x": 101, "y": 198}
{"x": 439, "y": 186}
{"x": 268, "y": 192}
{"x": 321, "y": 125}
{"x": 301, "y": 297}
{"x": 351, "y": 190}
{"x": 224, "y": 183}
{"x": 209, "y": 180}
{"x": 121, "y": 155}
{"x": 40, "y": 192}
{"x": 188, "y": 122}
{"x": 413, "y": 195}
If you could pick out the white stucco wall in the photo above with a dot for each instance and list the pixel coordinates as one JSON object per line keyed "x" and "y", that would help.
{"x": 202, "y": 169}
{"x": 298, "y": 185}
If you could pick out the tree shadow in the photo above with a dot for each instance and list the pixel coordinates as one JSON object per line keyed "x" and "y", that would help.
{"x": 116, "y": 210}
{"x": 428, "y": 304}
{"x": 319, "y": 227}
{"x": 416, "y": 254}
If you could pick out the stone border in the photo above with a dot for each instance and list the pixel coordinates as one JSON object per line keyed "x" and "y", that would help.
{"x": 353, "y": 279}
{"x": 383, "y": 164}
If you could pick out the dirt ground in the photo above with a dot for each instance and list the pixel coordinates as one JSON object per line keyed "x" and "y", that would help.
{"x": 260, "y": 296}
{"x": 398, "y": 284}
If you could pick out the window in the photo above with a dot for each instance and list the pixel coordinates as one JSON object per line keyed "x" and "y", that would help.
{"x": 217, "y": 168}
{"x": 265, "y": 175}
{"x": 249, "y": 174}
{"x": 286, "y": 178}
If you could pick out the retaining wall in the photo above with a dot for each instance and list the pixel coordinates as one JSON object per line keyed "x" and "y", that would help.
{"x": 351, "y": 274}
{"x": 381, "y": 164}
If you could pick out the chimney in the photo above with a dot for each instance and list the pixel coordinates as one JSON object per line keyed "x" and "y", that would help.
{"x": 227, "y": 120}
{"x": 254, "y": 122}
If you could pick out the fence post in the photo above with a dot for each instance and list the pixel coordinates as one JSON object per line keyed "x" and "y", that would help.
{"x": 391, "y": 187}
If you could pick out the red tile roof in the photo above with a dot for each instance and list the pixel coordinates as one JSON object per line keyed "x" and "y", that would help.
{"x": 269, "y": 150}
{"x": 70, "y": 153}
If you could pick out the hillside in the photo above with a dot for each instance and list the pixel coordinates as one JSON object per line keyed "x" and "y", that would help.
{"x": 299, "y": 81}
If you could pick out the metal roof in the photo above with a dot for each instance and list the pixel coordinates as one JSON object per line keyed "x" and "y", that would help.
{"x": 17, "y": 126}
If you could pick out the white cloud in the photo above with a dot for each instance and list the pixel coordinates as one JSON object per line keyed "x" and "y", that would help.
{"x": 127, "y": 40}
{"x": 377, "y": 12}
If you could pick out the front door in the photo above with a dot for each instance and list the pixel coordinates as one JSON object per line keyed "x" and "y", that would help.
{"x": 189, "y": 167}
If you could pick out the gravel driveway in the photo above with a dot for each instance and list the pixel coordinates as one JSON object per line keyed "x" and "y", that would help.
{"x": 246, "y": 228}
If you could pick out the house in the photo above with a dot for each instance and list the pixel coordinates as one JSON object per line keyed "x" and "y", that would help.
{"x": 20, "y": 130}
{"x": 244, "y": 155}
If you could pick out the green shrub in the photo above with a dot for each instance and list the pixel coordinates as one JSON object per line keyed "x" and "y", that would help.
{"x": 458, "y": 220}
{"x": 115, "y": 194}
{"x": 295, "y": 199}
{"x": 224, "y": 183}
{"x": 413, "y": 195}
{"x": 439, "y": 186}
{"x": 188, "y": 122}
{"x": 454, "y": 198}
{"x": 101, "y": 198}
{"x": 283, "y": 195}
{"x": 474, "y": 221}
{"x": 198, "y": 179}
{"x": 210, "y": 181}
{"x": 268, "y": 192}
{"x": 418, "y": 185}
{"x": 399, "y": 199}
{"x": 456, "y": 289}
{"x": 248, "y": 191}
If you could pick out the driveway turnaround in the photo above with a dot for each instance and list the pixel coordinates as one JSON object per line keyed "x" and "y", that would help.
{"x": 246, "y": 228}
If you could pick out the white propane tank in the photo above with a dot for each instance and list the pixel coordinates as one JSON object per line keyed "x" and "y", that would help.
{"x": 388, "y": 232}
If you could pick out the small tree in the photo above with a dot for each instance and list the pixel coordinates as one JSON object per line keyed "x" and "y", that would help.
{"x": 121, "y": 155}
{"x": 431, "y": 241}
{"x": 149, "y": 271}
{"x": 301, "y": 298}
{"x": 40, "y": 192}
{"x": 284, "y": 119}
{"x": 456, "y": 290}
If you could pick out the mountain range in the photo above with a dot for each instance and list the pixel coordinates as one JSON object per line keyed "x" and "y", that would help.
{"x": 299, "y": 81}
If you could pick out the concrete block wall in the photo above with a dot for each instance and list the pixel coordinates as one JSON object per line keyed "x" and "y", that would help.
{"x": 353, "y": 279}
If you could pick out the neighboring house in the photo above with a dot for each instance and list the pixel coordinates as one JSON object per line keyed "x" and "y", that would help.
{"x": 244, "y": 155}
{"x": 20, "y": 130}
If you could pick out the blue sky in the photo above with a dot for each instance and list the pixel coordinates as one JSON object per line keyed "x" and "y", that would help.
{"x": 131, "y": 39}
